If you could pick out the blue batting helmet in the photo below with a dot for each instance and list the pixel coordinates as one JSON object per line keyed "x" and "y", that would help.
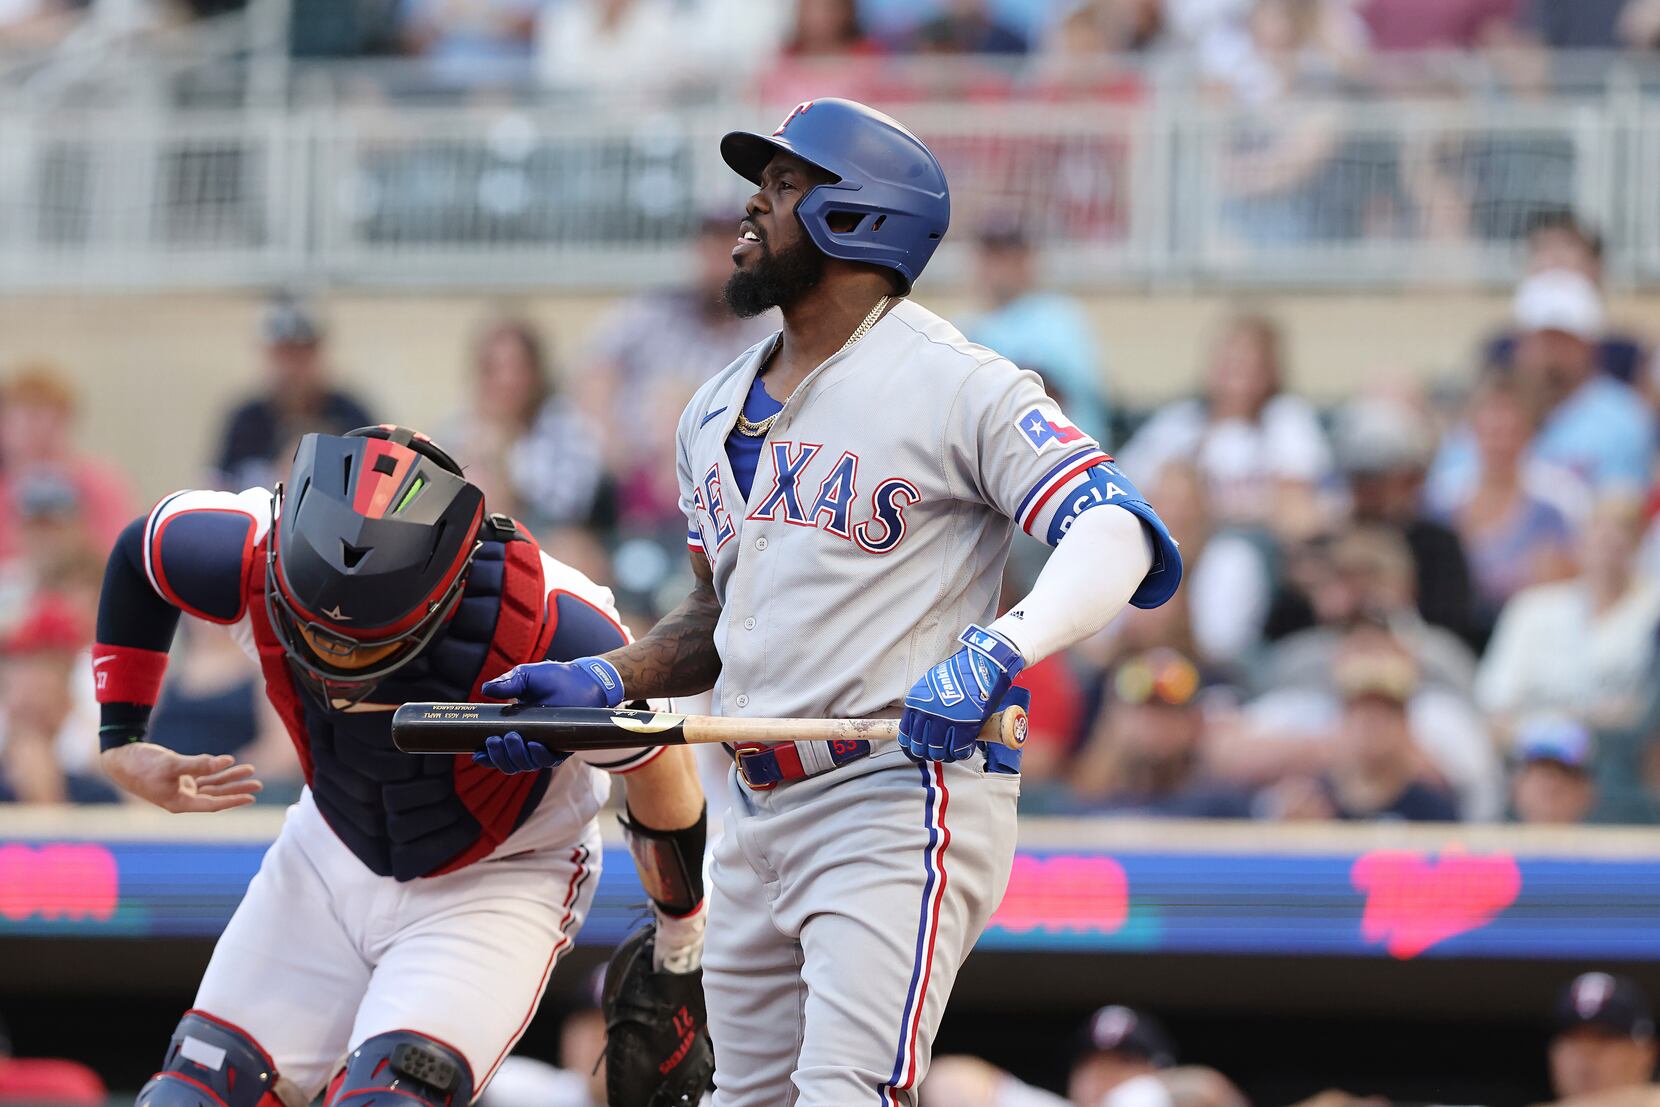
{"x": 884, "y": 174}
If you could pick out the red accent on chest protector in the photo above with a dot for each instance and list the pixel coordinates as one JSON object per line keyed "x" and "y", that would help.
{"x": 524, "y": 627}
{"x": 273, "y": 660}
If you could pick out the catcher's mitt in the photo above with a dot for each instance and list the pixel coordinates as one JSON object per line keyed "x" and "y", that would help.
{"x": 657, "y": 1050}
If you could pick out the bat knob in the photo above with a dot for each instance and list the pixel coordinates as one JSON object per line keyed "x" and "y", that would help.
{"x": 1006, "y": 728}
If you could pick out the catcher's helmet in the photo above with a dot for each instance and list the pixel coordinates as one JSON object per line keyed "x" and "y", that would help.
{"x": 884, "y": 175}
{"x": 373, "y": 535}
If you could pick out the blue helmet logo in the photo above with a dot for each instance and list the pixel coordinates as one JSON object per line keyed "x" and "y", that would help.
{"x": 795, "y": 111}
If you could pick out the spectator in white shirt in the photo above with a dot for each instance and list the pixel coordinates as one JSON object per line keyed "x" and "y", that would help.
{"x": 607, "y": 43}
{"x": 1253, "y": 441}
{"x": 607, "y": 46}
{"x": 1640, "y": 24}
{"x": 1580, "y": 647}
{"x": 1220, "y": 611}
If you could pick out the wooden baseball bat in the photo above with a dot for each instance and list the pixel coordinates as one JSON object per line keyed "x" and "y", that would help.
{"x": 453, "y": 728}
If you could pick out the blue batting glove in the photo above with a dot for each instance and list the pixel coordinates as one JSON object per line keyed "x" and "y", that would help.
{"x": 512, "y": 754}
{"x": 946, "y": 708}
{"x": 585, "y": 682}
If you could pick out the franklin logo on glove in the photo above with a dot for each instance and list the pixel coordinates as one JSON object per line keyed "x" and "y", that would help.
{"x": 949, "y": 692}
{"x": 947, "y": 707}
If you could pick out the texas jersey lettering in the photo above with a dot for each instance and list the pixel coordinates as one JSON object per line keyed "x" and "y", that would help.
{"x": 882, "y": 503}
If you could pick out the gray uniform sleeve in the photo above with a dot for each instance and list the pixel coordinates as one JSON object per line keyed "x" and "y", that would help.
{"x": 1010, "y": 444}
{"x": 688, "y": 483}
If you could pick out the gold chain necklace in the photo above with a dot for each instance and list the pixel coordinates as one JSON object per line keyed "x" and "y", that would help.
{"x": 757, "y": 429}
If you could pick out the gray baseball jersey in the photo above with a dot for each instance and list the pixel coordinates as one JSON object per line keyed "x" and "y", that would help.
{"x": 880, "y": 516}
{"x": 875, "y": 530}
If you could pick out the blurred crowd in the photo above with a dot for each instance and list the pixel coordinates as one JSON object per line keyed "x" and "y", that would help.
{"x": 1256, "y": 47}
{"x": 1601, "y": 1052}
{"x": 1419, "y": 604}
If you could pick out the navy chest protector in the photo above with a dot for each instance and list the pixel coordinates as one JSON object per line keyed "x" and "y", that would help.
{"x": 407, "y": 816}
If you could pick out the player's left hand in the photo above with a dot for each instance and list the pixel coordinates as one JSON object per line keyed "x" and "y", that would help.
{"x": 946, "y": 708}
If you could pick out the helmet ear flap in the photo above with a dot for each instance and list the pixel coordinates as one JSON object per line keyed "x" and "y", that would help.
{"x": 844, "y": 225}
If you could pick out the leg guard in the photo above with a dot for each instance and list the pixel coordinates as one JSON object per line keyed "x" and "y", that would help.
{"x": 391, "y": 1069}
{"x": 670, "y": 862}
{"x": 212, "y": 1064}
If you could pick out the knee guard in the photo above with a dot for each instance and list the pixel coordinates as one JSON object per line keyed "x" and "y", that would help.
{"x": 211, "y": 1063}
{"x": 390, "y": 1069}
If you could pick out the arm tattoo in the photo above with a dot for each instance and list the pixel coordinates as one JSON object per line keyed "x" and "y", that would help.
{"x": 678, "y": 657}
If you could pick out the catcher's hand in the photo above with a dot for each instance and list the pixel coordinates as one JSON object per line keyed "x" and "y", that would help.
{"x": 176, "y": 782}
{"x": 657, "y": 1051}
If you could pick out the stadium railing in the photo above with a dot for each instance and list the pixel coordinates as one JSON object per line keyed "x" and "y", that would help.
{"x": 1165, "y": 188}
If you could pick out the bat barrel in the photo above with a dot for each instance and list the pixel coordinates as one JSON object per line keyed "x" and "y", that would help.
{"x": 453, "y": 728}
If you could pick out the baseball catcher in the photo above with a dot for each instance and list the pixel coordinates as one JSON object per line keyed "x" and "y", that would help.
{"x": 402, "y": 928}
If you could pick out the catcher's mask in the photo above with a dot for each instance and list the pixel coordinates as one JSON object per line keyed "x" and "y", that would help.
{"x": 372, "y": 536}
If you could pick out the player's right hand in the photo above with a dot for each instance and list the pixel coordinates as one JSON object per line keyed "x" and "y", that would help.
{"x": 585, "y": 682}
{"x": 176, "y": 782}
{"x": 946, "y": 708}
{"x": 512, "y": 754}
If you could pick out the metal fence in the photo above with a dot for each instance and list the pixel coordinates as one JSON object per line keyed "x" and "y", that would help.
{"x": 1169, "y": 191}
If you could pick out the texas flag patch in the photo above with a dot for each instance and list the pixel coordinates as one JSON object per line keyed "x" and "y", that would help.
{"x": 1041, "y": 433}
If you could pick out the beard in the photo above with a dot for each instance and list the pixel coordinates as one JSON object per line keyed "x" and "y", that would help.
{"x": 774, "y": 280}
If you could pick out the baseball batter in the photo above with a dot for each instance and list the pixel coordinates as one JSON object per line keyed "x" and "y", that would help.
{"x": 402, "y": 928}
{"x": 850, "y": 485}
